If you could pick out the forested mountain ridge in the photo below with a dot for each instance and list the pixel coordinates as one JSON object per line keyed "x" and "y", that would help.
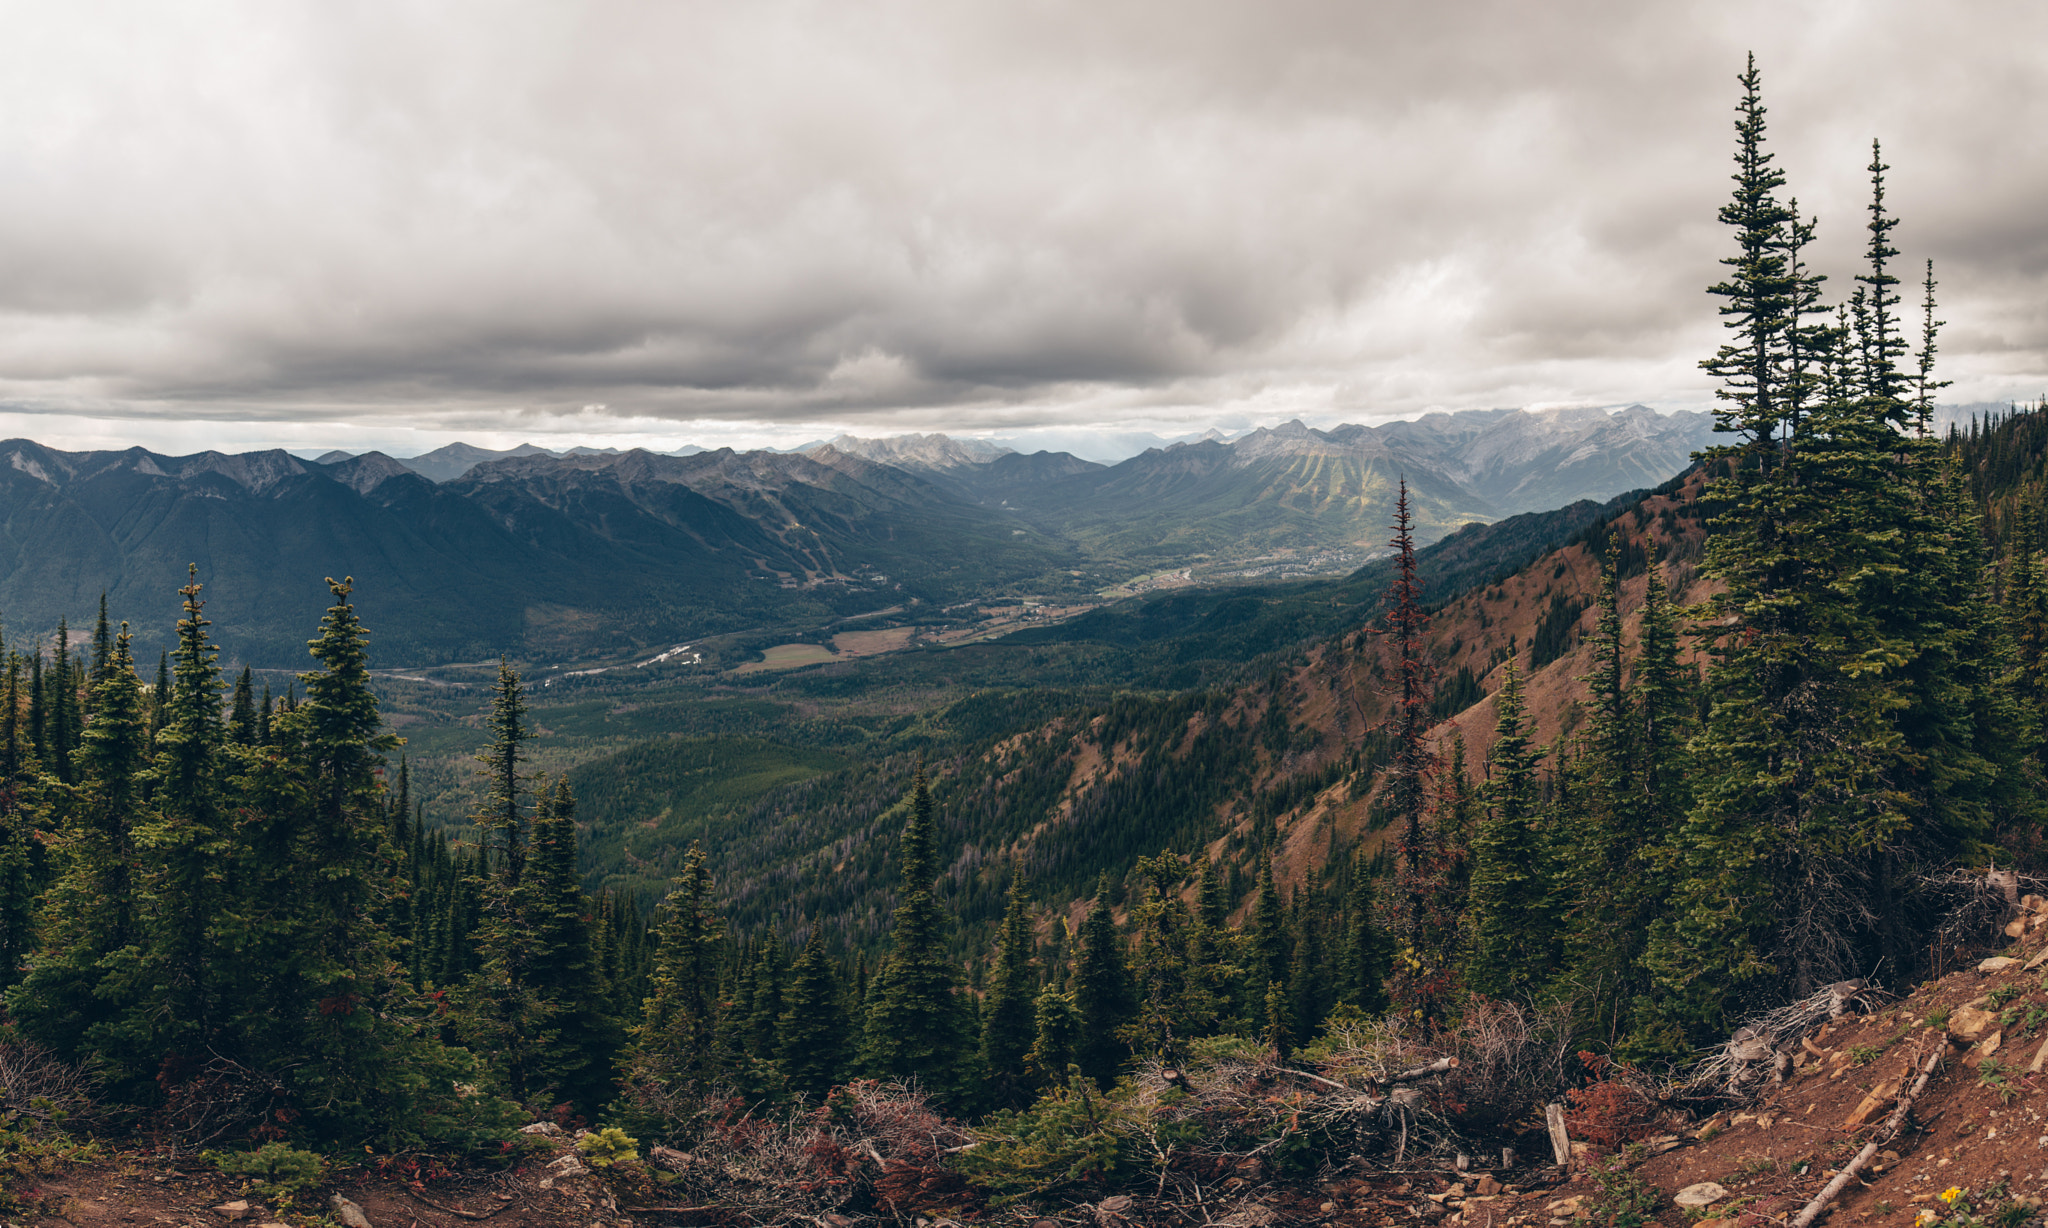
{"x": 596, "y": 553}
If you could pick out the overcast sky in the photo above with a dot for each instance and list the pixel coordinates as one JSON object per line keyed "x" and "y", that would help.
{"x": 396, "y": 224}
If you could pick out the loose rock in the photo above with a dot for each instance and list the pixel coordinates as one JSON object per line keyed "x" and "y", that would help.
{"x": 231, "y": 1211}
{"x": 1705, "y": 1194}
{"x": 1967, "y": 1023}
{"x": 349, "y": 1213}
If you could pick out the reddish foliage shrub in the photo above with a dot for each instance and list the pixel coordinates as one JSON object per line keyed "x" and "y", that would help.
{"x": 908, "y": 1189}
{"x": 1608, "y": 1112}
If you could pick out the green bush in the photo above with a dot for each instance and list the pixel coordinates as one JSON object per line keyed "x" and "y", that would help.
{"x": 607, "y": 1147}
{"x": 1071, "y": 1135}
{"x": 277, "y": 1171}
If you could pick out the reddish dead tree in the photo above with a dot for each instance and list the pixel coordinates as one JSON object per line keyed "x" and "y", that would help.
{"x": 1407, "y": 790}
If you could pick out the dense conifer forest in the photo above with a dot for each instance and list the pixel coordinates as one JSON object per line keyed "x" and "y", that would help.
{"x": 232, "y": 909}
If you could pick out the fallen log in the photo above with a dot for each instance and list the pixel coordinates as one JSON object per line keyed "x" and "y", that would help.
{"x": 1422, "y": 1072}
{"x": 1893, "y": 1124}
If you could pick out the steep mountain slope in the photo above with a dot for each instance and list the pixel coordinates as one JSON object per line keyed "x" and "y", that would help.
{"x": 1283, "y": 760}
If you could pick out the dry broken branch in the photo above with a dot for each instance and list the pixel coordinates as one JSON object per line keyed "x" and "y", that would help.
{"x": 455, "y": 1211}
{"x": 1893, "y": 1124}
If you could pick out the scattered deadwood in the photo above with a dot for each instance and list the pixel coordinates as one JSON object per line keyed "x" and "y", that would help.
{"x": 456, "y": 1211}
{"x": 1560, "y": 1141}
{"x": 1893, "y": 1124}
{"x": 1440, "y": 1066}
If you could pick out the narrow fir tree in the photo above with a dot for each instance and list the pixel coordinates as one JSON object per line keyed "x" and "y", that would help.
{"x": 63, "y": 709}
{"x": 500, "y": 820}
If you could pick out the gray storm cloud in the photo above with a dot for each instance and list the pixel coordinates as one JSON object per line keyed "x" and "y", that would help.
{"x": 903, "y": 214}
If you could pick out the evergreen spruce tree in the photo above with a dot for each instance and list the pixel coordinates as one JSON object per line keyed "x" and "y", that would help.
{"x": 1102, "y": 993}
{"x": 89, "y": 917}
{"x": 813, "y": 1027}
{"x": 1368, "y": 949}
{"x": 577, "y": 1065}
{"x": 764, "y": 1002}
{"x": 1271, "y": 952}
{"x": 1514, "y": 939}
{"x": 242, "y": 712}
{"x": 102, "y": 656}
{"x": 17, "y": 751}
{"x": 184, "y": 844}
{"x": 501, "y": 817}
{"x": 63, "y": 709}
{"x": 38, "y": 707}
{"x": 318, "y": 988}
{"x": 1056, "y": 1036}
{"x": 1847, "y": 740}
{"x": 1008, "y": 1007}
{"x": 915, "y": 1025}
{"x": 673, "y": 1045}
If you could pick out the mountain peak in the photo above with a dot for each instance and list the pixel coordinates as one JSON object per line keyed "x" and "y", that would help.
{"x": 933, "y": 451}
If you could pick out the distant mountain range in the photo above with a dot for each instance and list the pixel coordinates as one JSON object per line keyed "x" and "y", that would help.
{"x": 465, "y": 552}
{"x": 1293, "y": 487}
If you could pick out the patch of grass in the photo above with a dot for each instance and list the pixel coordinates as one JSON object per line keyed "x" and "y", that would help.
{"x": 1938, "y": 1018}
{"x": 1754, "y": 1166}
{"x": 1992, "y": 1075}
{"x": 2006, "y": 993}
{"x": 2011, "y": 1215}
{"x": 1621, "y": 1198}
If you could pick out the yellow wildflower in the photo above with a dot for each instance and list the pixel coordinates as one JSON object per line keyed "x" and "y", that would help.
{"x": 1950, "y": 1194}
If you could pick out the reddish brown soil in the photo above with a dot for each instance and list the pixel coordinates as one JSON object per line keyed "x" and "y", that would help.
{"x": 132, "y": 1189}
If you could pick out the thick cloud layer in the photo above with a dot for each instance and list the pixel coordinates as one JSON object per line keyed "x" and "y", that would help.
{"x": 369, "y": 221}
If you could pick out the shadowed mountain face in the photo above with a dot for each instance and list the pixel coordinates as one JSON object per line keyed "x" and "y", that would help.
{"x": 531, "y": 554}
